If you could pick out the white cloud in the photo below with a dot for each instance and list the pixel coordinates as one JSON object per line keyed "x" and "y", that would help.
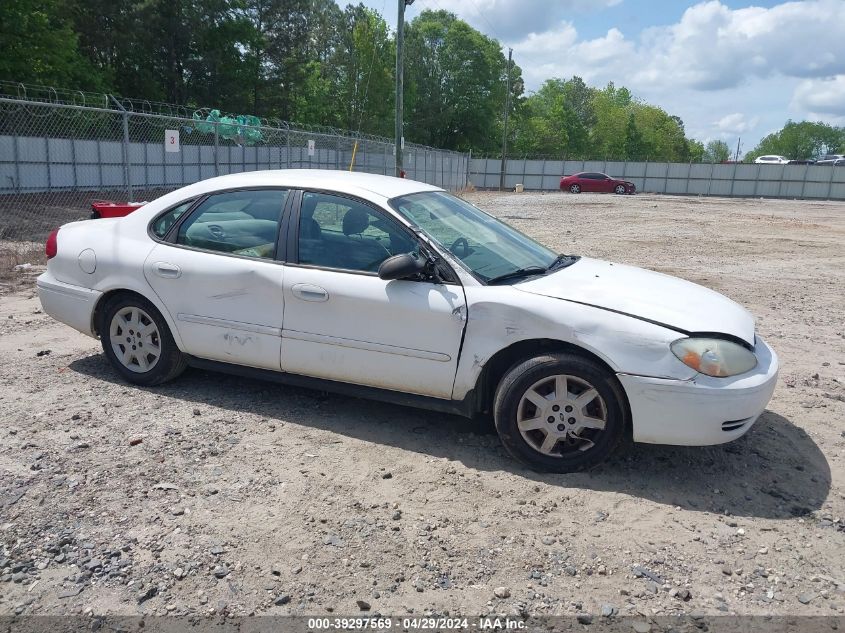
{"x": 712, "y": 46}
{"x": 726, "y": 72}
{"x": 510, "y": 19}
{"x": 735, "y": 124}
{"x": 823, "y": 98}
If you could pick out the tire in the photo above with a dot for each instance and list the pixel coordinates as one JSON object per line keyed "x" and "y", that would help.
{"x": 575, "y": 188}
{"x": 538, "y": 377}
{"x": 620, "y": 189}
{"x": 159, "y": 362}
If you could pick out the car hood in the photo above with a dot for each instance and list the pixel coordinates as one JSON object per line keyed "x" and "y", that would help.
{"x": 647, "y": 295}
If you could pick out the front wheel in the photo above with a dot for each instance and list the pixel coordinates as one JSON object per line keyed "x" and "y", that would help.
{"x": 137, "y": 341}
{"x": 560, "y": 413}
{"x": 620, "y": 189}
{"x": 575, "y": 188}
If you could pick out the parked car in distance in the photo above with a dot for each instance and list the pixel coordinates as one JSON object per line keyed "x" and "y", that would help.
{"x": 771, "y": 159}
{"x": 802, "y": 162}
{"x": 393, "y": 289}
{"x": 831, "y": 159}
{"x": 593, "y": 181}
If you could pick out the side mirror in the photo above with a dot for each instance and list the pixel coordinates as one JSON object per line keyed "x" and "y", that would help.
{"x": 401, "y": 266}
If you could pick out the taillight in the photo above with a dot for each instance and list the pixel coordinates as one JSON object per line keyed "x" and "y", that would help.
{"x": 52, "y": 246}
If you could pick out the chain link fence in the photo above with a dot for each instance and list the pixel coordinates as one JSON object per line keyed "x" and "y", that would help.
{"x": 60, "y": 152}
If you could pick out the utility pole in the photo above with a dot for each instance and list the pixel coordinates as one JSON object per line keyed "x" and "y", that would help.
{"x": 400, "y": 43}
{"x": 736, "y": 156}
{"x": 507, "y": 112}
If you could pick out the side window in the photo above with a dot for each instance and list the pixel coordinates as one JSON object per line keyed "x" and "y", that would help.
{"x": 236, "y": 222}
{"x": 337, "y": 232}
{"x": 161, "y": 225}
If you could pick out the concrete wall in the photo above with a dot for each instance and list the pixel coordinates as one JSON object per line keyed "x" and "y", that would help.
{"x": 42, "y": 165}
{"x": 772, "y": 181}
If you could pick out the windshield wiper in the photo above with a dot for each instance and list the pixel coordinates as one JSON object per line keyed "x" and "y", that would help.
{"x": 519, "y": 272}
{"x": 562, "y": 261}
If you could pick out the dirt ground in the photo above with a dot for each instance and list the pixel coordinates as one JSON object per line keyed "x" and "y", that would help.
{"x": 223, "y": 495}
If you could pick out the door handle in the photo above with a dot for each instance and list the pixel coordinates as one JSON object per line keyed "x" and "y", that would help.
{"x": 168, "y": 271}
{"x": 310, "y": 292}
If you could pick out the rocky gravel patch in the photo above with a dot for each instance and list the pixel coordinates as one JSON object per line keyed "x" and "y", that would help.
{"x": 218, "y": 495}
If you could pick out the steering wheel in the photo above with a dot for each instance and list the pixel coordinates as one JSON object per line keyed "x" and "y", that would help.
{"x": 461, "y": 241}
{"x": 217, "y": 231}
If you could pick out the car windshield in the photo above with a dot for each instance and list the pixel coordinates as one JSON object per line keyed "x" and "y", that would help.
{"x": 489, "y": 248}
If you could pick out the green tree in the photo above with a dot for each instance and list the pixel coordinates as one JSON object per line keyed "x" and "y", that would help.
{"x": 716, "y": 152}
{"x": 608, "y": 134}
{"x": 38, "y": 45}
{"x": 455, "y": 80}
{"x": 800, "y": 141}
{"x": 636, "y": 147}
{"x": 663, "y": 134}
{"x": 695, "y": 150}
{"x": 548, "y": 122}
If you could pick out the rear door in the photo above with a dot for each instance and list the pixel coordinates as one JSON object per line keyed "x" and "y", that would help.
{"x": 215, "y": 272}
{"x": 342, "y": 322}
{"x": 587, "y": 182}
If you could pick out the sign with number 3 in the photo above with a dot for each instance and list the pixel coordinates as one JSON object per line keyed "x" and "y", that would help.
{"x": 171, "y": 140}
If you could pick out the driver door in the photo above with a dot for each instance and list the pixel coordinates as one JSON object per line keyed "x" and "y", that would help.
{"x": 342, "y": 322}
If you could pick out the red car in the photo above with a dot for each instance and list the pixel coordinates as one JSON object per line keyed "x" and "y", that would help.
{"x": 597, "y": 182}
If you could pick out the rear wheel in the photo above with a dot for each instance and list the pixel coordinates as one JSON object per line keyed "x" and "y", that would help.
{"x": 560, "y": 413}
{"x": 620, "y": 189}
{"x": 137, "y": 341}
{"x": 575, "y": 188}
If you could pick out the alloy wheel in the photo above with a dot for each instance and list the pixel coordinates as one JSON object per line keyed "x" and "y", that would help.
{"x": 561, "y": 414}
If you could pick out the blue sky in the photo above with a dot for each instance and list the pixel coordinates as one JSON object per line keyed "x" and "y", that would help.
{"x": 728, "y": 68}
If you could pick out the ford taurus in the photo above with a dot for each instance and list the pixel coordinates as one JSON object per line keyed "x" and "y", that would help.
{"x": 393, "y": 289}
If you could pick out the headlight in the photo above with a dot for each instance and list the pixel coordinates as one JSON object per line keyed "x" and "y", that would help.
{"x": 713, "y": 356}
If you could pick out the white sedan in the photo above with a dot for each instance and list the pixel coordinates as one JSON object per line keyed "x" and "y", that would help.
{"x": 393, "y": 289}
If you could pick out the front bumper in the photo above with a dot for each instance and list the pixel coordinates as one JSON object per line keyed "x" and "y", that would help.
{"x": 72, "y": 305}
{"x": 704, "y": 410}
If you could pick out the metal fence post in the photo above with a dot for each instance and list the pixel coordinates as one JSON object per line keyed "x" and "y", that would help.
{"x": 127, "y": 176}
{"x": 830, "y": 181}
{"x": 73, "y": 162}
{"x": 47, "y": 156}
{"x": 710, "y": 180}
{"x": 468, "y": 159}
{"x": 16, "y": 151}
{"x": 216, "y": 149}
{"x": 126, "y": 170}
{"x": 804, "y": 182}
{"x": 733, "y": 179}
{"x": 666, "y": 178}
{"x": 757, "y": 180}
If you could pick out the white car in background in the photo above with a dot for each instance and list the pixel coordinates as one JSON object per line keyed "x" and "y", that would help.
{"x": 771, "y": 159}
{"x": 393, "y": 289}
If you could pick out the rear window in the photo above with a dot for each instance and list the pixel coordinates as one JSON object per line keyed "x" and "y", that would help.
{"x": 161, "y": 225}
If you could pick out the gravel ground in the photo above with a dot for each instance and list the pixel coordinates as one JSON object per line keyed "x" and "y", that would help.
{"x": 225, "y": 495}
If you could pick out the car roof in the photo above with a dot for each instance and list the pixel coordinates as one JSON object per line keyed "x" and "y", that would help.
{"x": 372, "y": 187}
{"x": 334, "y": 180}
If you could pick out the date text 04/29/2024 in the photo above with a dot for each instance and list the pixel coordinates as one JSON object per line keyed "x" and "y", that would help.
{"x": 417, "y": 624}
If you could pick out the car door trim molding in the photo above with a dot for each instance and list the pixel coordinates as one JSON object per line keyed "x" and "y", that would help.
{"x": 231, "y": 325}
{"x": 364, "y": 345}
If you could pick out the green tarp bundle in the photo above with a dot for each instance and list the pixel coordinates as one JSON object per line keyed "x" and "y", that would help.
{"x": 242, "y": 129}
